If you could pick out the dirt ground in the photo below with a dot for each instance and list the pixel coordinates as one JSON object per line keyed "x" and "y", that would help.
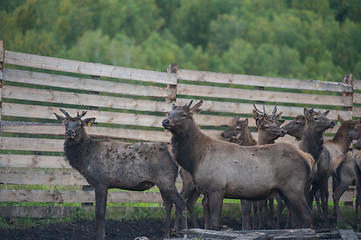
{"x": 124, "y": 230}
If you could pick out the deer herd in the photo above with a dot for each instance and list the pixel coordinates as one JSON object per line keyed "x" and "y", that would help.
{"x": 256, "y": 172}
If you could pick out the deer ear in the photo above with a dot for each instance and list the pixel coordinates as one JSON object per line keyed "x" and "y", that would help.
{"x": 196, "y": 108}
{"x": 88, "y": 121}
{"x": 306, "y": 113}
{"x": 246, "y": 121}
{"x": 258, "y": 123}
{"x": 340, "y": 119}
{"x": 255, "y": 114}
{"x": 325, "y": 113}
{"x": 60, "y": 118}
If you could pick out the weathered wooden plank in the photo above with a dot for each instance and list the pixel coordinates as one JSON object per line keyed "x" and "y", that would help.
{"x": 52, "y": 80}
{"x": 257, "y": 95}
{"x": 250, "y": 80}
{"x": 212, "y": 234}
{"x": 357, "y": 98}
{"x": 357, "y": 84}
{"x": 33, "y": 161}
{"x": 42, "y": 95}
{"x": 347, "y": 234}
{"x": 95, "y": 69}
{"x": 99, "y": 132}
{"x": 35, "y": 111}
{"x": 55, "y": 196}
{"x": 31, "y": 144}
{"x": 244, "y": 108}
{"x": 356, "y": 111}
{"x": 42, "y": 178}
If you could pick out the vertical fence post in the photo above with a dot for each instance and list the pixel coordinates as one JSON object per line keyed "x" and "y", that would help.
{"x": 172, "y": 69}
{"x": 2, "y": 59}
{"x": 348, "y": 79}
{"x": 87, "y": 187}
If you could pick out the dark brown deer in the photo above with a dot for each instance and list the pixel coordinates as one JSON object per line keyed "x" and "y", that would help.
{"x": 240, "y": 134}
{"x": 312, "y": 142}
{"x": 296, "y": 127}
{"x": 114, "y": 164}
{"x": 226, "y": 170}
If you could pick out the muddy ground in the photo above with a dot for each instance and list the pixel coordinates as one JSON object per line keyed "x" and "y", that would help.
{"x": 124, "y": 230}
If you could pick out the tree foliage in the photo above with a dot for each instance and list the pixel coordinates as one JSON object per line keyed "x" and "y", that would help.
{"x": 282, "y": 38}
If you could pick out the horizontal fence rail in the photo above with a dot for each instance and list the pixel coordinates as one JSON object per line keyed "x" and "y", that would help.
{"x": 129, "y": 105}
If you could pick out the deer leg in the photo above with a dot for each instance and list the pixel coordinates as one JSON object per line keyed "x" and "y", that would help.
{"x": 215, "y": 206}
{"x": 259, "y": 213}
{"x": 318, "y": 204}
{"x": 269, "y": 212}
{"x": 186, "y": 192}
{"x": 297, "y": 204}
{"x": 255, "y": 215}
{"x": 170, "y": 195}
{"x": 324, "y": 200}
{"x": 168, "y": 208}
{"x": 279, "y": 210}
{"x": 343, "y": 186}
{"x": 100, "y": 209}
{"x": 246, "y": 214}
{"x": 191, "y": 202}
{"x": 357, "y": 203}
{"x": 206, "y": 211}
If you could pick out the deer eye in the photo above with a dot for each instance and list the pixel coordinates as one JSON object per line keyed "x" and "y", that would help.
{"x": 237, "y": 128}
{"x": 316, "y": 118}
{"x": 297, "y": 122}
{"x": 183, "y": 115}
{"x": 267, "y": 127}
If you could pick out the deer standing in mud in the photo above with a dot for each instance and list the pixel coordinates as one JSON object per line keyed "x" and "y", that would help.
{"x": 114, "y": 164}
{"x": 226, "y": 170}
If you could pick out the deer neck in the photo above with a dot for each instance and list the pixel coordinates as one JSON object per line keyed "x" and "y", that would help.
{"x": 76, "y": 152}
{"x": 249, "y": 141}
{"x": 341, "y": 139}
{"x": 188, "y": 147}
{"x": 262, "y": 139}
{"x": 312, "y": 142}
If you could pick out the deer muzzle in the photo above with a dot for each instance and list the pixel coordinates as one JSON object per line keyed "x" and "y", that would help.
{"x": 70, "y": 133}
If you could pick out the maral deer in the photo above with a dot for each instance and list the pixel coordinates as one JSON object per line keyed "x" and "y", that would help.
{"x": 114, "y": 164}
{"x": 312, "y": 142}
{"x": 240, "y": 134}
{"x": 226, "y": 170}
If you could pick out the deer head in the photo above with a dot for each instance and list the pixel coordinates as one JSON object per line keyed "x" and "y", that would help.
{"x": 179, "y": 118}
{"x": 74, "y": 126}
{"x": 318, "y": 120}
{"x": 268, "y": 125}
{"x": 296, "y": 127}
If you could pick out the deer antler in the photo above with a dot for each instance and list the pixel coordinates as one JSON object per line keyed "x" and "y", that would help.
{"x": 65, "y": 113}
{"x": 263, "y": 114}
{"x": 81, "y": 115}
{"x": 189, "y": 105}
{"x": 273, "y": 115}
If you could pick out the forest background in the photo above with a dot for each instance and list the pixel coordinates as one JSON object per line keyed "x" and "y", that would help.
{"x": 308, "y": 39}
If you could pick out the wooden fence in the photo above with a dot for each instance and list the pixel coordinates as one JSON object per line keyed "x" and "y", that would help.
{"x": 129, "y": 104}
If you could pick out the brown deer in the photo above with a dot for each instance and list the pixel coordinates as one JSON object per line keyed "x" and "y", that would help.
{"x": 312, "y": 142}
{"x": 114, "y": 164}
{"x": 240, "y": 134}
{"x": 268, "y": 131}
{"x": 226, "y": 170}
{"x": 338, "y": 146}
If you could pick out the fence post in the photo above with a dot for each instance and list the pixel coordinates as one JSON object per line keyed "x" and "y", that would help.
{"x": 348, "y": 79}
{"x": 2, "y": 59}
{"x": 87, "y": 187}
{"x": 173, "y": 68}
